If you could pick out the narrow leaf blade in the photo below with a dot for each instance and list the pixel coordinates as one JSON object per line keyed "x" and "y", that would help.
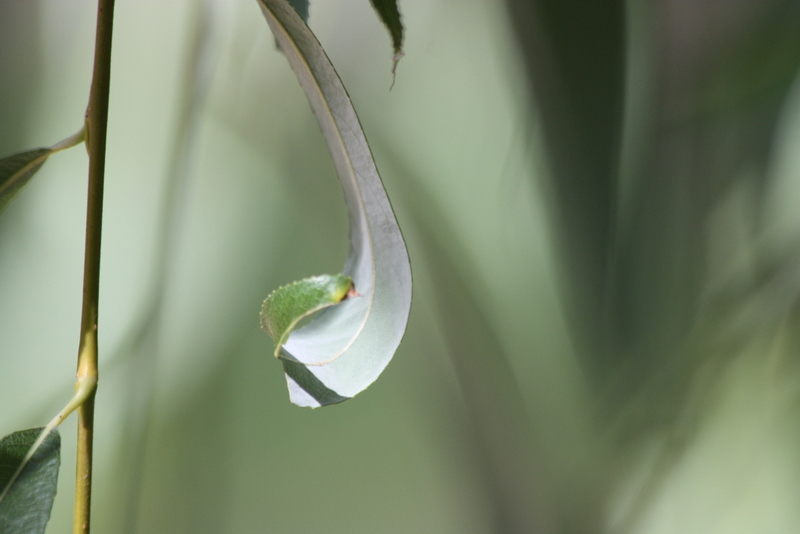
{"x": 16, "y": 170}
{"x": 25, "y": 506}
{"x": 390, "y": 15}
{"x": 357, "y": 338}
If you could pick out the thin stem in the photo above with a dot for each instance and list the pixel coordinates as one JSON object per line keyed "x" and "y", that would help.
{"x": 96, "y": 126}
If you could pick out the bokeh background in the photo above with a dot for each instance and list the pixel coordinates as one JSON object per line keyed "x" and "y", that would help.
{"x": 601, "y": 203}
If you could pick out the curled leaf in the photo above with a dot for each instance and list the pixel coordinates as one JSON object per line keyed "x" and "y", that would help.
{"x": 344, "y": 348}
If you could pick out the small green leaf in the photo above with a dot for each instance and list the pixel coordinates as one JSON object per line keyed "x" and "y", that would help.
{"x": 25, "y": 502}
{"x": 17, "y": 170}
{"x": 289, "y": 304}
{"x": 346, "y": 347}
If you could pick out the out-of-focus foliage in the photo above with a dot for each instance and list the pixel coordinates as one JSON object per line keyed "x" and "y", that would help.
{"x": 661, "y": 122}
{"x": 641, "y": 378}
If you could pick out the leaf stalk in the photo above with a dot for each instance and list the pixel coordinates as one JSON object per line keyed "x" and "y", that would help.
{"x": 84, "y": 387}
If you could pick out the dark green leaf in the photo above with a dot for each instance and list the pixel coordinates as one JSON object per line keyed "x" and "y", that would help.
{"x": 758, "y": 69}
{"x": 390, "y": 15}
{"x": 25, "y": 504}
{"x": 344, "y": 349}
{"x": 301, "y": 6}
{"x": 17, "y": 170}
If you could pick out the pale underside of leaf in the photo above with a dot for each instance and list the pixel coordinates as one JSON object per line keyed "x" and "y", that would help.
{"x": 359, "y": 336}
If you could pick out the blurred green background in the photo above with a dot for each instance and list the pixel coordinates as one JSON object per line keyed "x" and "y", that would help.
{"x": 601, "y": 208}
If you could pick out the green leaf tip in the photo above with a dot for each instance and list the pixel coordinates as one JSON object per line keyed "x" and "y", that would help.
{"x": 285, "y": 307}
{"x": 26, "y": 498}
{"x": 390, "y": 16}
